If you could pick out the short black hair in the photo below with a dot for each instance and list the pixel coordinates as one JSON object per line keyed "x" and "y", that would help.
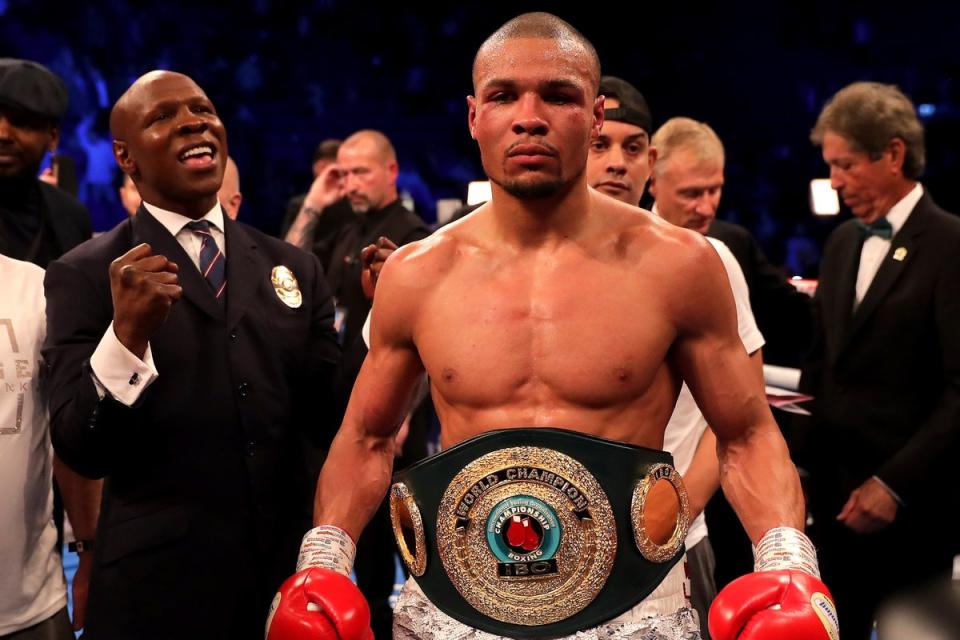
{"x": 539, "y": 24}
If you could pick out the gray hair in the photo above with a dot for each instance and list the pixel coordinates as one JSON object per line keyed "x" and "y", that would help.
{"x": 869, "y": 115}
{"x": 689, "y": 134}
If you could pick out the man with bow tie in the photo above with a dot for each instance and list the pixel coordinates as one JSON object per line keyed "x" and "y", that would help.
{"x": 885, "y": 369}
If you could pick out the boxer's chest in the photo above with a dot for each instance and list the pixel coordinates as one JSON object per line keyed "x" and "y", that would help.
{"x": 586, "y": 335}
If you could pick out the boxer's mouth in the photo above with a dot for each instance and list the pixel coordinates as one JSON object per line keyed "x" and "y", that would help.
{"x": 530, "y": 150}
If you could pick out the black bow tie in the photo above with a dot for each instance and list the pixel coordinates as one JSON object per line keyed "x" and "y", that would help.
{"x": 880, "y": 228}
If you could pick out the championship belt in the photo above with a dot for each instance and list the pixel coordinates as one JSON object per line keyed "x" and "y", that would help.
{"x": 539, "y": 532}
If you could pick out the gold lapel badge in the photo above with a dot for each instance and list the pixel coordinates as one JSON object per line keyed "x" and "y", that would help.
{"x": 900, "y": 254}
{"x": 286, "y": 286}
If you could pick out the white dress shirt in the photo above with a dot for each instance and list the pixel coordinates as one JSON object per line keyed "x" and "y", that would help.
{"x": 875, "y": 248}
{"x": 117, "y": 371}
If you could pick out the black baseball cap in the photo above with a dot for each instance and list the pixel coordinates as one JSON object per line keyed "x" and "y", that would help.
{"x": 633, "y": 107}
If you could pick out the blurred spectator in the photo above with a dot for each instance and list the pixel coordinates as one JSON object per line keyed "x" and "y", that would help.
{"x": 323, "y": 156}
{"x": 229, "y": 194}
{"x": 129, "y": 196}
{"x": 38, "y": 222}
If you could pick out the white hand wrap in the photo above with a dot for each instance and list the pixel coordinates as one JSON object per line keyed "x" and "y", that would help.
{"x": 785, "y": 548}
{"x": 328, "y": 547}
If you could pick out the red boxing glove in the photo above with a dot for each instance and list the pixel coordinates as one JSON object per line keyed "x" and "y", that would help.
{"x": 319, "y": 604}
{"x": 783, "y": 605}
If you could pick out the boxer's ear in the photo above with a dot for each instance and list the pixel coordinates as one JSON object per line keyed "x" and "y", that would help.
{"x": 472, "y": 116}
{"x": 597, "y": 117}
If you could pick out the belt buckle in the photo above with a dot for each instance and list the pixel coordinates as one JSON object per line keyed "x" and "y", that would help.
{"x": 526, "y": 535}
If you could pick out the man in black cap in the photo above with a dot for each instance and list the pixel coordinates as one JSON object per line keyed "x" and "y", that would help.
{"x": 621, "y": 157}
{"x": 38, "y": 222}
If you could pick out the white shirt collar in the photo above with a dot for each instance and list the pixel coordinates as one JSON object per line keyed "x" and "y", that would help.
{"x": 899, "y": 212}
{"x": 175, "y": 222}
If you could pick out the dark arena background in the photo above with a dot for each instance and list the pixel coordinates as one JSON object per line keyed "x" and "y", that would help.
{"x": 286, "y": 75}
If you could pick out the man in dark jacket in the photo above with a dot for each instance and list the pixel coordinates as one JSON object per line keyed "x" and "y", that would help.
{"x": 189, "y": 354}
{"x": 885, "y": 370}
{"x": 38, "y": 222}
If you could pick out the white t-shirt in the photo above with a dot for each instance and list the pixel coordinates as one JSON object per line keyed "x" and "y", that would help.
{"x": 32, "y": 586}
{"x": 687, "y": 424}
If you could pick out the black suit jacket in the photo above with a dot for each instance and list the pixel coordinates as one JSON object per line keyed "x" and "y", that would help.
{"x": 64, "y": 220}
{"x": 394, "y": 221}
{"x": 784, "y": 315}
{"x": 887, "y": 376}
{"x": 67, "y": 217}
{"x": 207, "y": 490}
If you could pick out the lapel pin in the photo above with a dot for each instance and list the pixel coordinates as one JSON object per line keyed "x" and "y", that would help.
{"x": 285, "y": 284}
{"x": 900, "y": 254}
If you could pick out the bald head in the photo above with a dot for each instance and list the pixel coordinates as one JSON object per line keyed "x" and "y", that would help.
{"x": 128, "y": 103}
{"x": 373, "y": 143}
{"x": 368, "y": 164}
{"x": 168, "y": 138}
{"x": 545, "y": 26}
{"x": 229, "y": 194}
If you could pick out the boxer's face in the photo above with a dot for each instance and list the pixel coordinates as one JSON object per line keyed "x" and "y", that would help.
{"x": 620, "y": 159}
{"x": 173, "y": 144}
{"x": 24, "y": 138}
{"x": 687, "y": 189}
{"x": 534, "y": 114}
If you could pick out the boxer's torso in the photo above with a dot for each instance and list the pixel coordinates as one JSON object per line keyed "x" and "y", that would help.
{"x": 573, "y": 333}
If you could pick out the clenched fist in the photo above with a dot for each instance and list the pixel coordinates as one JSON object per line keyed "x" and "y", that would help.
{"x": 143, "y": 286}
{"x": 373, "y": 257}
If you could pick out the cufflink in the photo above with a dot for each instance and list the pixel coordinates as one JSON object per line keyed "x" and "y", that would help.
{"x": 134, "y": 379}
{"x": 80, "y": 546}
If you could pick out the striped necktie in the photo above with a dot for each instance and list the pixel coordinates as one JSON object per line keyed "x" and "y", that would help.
{"x": 213, "y": 264}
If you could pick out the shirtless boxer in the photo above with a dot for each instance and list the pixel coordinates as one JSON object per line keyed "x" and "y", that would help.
{"x": 554, "y": 306}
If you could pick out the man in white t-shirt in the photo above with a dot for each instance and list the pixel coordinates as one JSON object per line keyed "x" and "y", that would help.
{"x": 687, "y": 182}
{"x": 33, "y": 597}
{"x": 689, "y": 167}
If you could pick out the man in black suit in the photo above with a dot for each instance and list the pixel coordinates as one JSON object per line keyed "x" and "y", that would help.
{"x": 38, "y": 222}
{"x": 886, "y": 367}
{"x": 188, "y": 355}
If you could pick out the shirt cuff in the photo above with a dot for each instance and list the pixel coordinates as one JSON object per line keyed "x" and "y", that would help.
{"x": 118, "y": 373}
{"x": 889, "y": 490}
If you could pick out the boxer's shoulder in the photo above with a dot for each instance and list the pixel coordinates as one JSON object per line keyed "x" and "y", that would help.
{"x": 644, "y": 239}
